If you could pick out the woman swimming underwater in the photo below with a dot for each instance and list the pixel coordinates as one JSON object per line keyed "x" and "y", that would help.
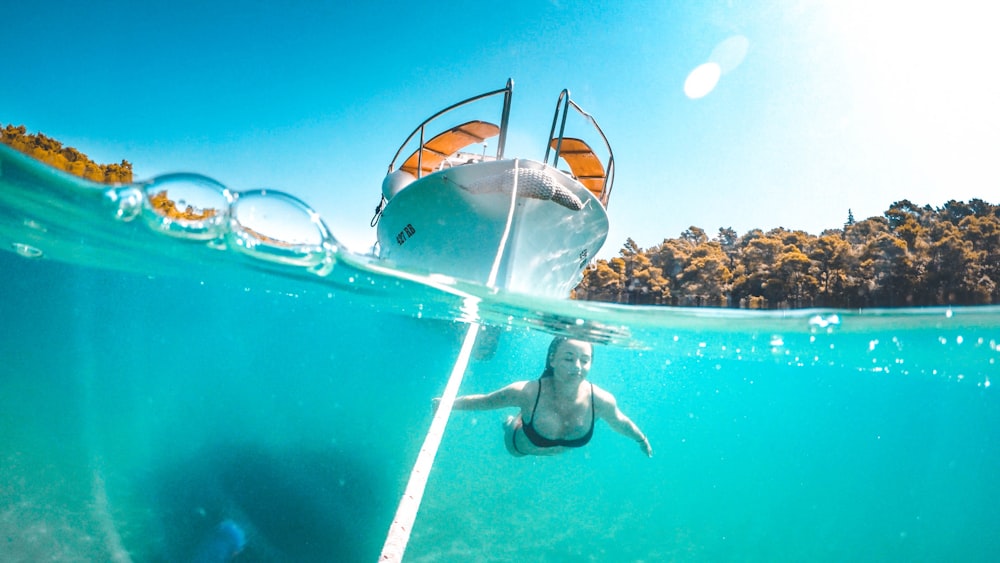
{"x": 559, "y": 409}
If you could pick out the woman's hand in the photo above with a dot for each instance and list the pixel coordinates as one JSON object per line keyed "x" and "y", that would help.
{"x": 645, "y": 447}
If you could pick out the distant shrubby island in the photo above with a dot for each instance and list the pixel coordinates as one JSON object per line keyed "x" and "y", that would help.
{"x": 910, "y": 256}
{"x": 68, "y": 159}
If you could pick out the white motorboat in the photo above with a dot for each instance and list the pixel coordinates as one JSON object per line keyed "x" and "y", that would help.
{"x": 521, "y": 225}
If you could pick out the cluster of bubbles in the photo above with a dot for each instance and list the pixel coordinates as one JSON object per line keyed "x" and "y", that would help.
{"x": 264, "y": 224}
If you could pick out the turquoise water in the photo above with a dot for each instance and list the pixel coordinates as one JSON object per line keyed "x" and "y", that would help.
{"x": 145, "y": 401}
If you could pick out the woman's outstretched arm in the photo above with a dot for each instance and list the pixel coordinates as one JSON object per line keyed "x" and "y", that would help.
{"x": 606, "y": 407}
{"x": 509, "y": 396}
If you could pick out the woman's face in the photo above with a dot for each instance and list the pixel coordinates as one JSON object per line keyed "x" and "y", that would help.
{"x": 571, "y": 360}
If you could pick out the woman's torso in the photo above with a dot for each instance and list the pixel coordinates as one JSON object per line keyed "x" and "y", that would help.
{"x": 555, "y": 420}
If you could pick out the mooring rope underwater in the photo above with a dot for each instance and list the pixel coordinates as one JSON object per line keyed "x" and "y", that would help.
{"x": 406, "y": 512}
{"x": 409, "y": 505}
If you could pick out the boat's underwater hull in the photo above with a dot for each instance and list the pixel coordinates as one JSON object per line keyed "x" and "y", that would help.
{"x": 455, "y": 222}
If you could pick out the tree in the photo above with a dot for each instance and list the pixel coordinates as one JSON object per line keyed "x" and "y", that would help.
{"x": 694, "y": 236}
{"x": 758, "y": 257}
{"x": 834, "y": 264}
{"x": 728, "y": 239}
{"x": 982, "y": 230}
{"x": 670, "y": 257}
{"x": 861, "y": 233}
{"x": 954, "y": 211}
{"x": 706, "y": 278}
{"x": 893, "y": 275}
{"x": 953, "y": 269}
{"x": 604, "y": 282}
{"x": 900, "y": 212}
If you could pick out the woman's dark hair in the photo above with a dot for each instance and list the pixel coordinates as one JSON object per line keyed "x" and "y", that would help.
{"x": 553, "y": 347}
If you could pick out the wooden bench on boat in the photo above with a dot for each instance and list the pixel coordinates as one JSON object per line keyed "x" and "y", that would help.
{"x": 584, "y": 164}
{"x": 434, "y": 152}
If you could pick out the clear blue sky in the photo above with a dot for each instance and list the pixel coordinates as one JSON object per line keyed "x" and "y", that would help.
{"x": 819, "y": 106}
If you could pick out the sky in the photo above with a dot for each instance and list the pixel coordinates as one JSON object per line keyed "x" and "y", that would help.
{"x": 764, "y": 114}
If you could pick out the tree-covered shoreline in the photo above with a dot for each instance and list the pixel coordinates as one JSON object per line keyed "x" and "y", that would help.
{"x": 67, "y": 159}
{"x": 910, "y": 256}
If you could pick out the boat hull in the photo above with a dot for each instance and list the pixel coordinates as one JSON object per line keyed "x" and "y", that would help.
{"x": 455, "y": 222}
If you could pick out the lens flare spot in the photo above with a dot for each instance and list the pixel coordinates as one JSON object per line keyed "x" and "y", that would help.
{"x": 702, "y": 80}
{"x": 730, "y": 53}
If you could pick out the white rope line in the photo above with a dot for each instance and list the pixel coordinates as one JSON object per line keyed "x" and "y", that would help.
{"x": 409, "y": 505}
{"x": 492, "y": 279}
{"x": 406, "y": 512}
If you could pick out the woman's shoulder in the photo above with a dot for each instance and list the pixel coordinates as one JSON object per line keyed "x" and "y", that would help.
{"x": 600, "y": 391}
{"x": 603, "y": 397}
{"x": 521, "y": 386}
{"x": 519, "y": 393}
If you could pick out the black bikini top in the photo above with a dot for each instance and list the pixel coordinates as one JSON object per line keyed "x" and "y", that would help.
{"x": 542, "y": 442}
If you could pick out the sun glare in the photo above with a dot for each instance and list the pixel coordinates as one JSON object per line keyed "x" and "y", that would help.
{"x": 923, "y": 74}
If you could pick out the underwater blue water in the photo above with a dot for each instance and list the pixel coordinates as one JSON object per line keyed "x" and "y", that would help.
{"x": 147, "y": 401}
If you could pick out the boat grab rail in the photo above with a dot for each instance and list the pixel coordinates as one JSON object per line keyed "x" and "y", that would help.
{"x": 563, "y": 103}
{"x": 507, "y": 91}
